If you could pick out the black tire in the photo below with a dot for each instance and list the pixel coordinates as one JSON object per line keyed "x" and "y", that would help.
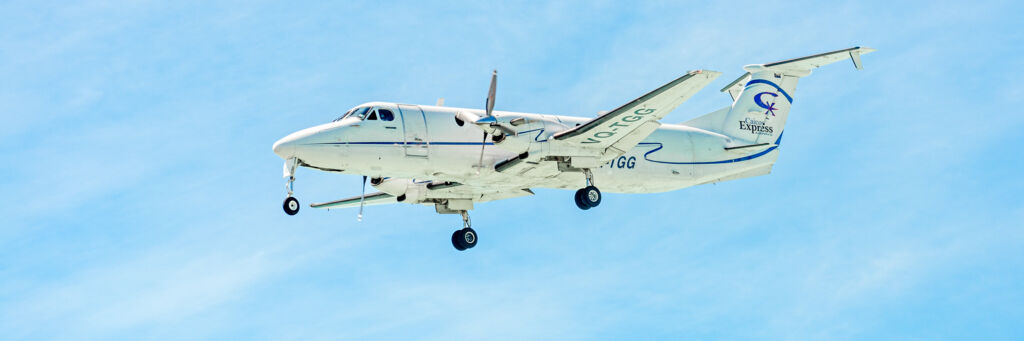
{"x": 455, "y": 241}
{"x": 579, "y": 200}
{"x": 591, "y": 196}
{"x": 468, "y": 237}
{"x": 291, "y": 206}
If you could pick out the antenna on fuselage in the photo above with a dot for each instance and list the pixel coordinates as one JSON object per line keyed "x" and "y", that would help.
{"x": 440, "y": 102}
{"x": 362, "y": 199}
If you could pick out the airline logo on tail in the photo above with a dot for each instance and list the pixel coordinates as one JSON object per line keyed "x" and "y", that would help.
{"x": 757, "y": 127}
{"x": 769, "y": 106}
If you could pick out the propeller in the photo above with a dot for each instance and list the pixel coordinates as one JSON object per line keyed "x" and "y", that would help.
{"x": 488, "y": 117}
{"x": 362, "y": 198}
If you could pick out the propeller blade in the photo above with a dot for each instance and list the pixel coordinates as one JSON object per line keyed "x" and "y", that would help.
{"x": 489, "y": 119}
{"x": 490, "y": 93}
{"x": 362, "y": 199}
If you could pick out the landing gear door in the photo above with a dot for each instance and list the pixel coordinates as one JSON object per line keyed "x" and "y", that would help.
{"x": 415, "y": 126}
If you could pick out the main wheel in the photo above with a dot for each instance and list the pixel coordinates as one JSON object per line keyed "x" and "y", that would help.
{"x": 455, "y": 241}
{"x": 579, "y": 200}
{"x": 464, "y": 239}
{"x": 291, "y": 206}
{"x": 590, "y": 196}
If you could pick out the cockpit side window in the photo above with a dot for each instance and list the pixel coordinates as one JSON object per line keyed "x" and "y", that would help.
{"x": 357, "y": 112}
{"x": 386, "y": 115}
{"x": 360, "y": 112}
{"x": 373, "y": 115}
{"x": 343, "y": 116}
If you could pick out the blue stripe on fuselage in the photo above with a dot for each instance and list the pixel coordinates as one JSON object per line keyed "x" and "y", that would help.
{"x": 745, "y": 158}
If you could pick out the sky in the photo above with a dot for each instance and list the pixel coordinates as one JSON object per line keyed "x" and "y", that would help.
{"x": 142, "y": 199}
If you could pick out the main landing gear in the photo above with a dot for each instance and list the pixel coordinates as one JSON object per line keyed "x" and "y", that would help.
{"x": 590, "y": 196}
{"x": 466, "y": 237}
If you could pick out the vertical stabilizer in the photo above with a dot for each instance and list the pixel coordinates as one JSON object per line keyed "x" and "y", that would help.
{"x": 761, "y": 108}
{"x": 763, "y": 96}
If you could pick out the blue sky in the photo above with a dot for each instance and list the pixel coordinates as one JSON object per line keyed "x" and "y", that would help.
{"x": 143, "y": 201}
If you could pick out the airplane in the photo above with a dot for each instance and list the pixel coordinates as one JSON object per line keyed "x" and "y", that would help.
{"x": 454, "y": 158}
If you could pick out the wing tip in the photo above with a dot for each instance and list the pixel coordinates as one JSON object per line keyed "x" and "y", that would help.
{"x": 709, "y": 73}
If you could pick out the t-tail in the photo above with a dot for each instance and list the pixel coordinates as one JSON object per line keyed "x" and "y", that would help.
{"x": 763, "y": 96}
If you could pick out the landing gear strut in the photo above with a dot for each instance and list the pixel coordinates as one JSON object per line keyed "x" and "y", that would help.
{"x": 466, "y": 237}
{"x": 590, "y": 196}
{"x": 291, "y": 205}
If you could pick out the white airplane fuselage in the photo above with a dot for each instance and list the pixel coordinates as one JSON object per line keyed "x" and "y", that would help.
{"x": 428, "y": 143}
{"x": 453, "y": 158}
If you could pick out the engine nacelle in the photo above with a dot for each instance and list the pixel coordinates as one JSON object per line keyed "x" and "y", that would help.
{"x": 392, "y": 186}
{"x": 406, "y": 190}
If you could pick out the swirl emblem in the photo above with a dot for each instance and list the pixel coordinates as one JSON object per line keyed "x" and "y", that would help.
{"x": 768, "y": 106}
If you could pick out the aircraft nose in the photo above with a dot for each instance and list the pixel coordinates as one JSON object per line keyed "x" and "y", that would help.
{"x": 285, "y": 147}
{"x": 298, "y": 142}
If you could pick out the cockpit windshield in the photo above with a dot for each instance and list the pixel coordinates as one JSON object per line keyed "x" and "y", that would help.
{"x": 359, "y": 112}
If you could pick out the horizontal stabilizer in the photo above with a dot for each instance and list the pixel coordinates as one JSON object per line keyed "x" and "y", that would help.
{"x": 822, "y": 59}
{"x": 799, "y": 65}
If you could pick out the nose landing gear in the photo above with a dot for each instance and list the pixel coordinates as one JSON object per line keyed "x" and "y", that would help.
{"x": 465, "y": 238}
{"x": 291, "y": 205}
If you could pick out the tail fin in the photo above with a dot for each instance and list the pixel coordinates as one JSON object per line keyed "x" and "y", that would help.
{"x": 762, "y": 97}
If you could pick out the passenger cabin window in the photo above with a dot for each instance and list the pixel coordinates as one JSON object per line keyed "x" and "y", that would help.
{"x": 386, "y": 115}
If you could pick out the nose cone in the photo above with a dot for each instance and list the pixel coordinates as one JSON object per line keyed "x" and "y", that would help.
{"x": 285, "y": 148}
{"x": 299, "y": 142}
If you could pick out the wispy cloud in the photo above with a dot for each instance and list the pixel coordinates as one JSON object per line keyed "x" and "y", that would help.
{"x": 144, "y": 200}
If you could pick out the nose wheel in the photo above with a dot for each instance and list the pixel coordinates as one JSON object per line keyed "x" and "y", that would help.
{"x": 465, "y": 238}
{"x": 291, "y": 205}
{"x": 588, "y": 197}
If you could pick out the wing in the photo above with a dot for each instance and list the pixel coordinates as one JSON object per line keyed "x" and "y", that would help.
{"x": 621, "y": 129}
{"x": 429, "y": 193}
{"x": 379, "y": 198}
